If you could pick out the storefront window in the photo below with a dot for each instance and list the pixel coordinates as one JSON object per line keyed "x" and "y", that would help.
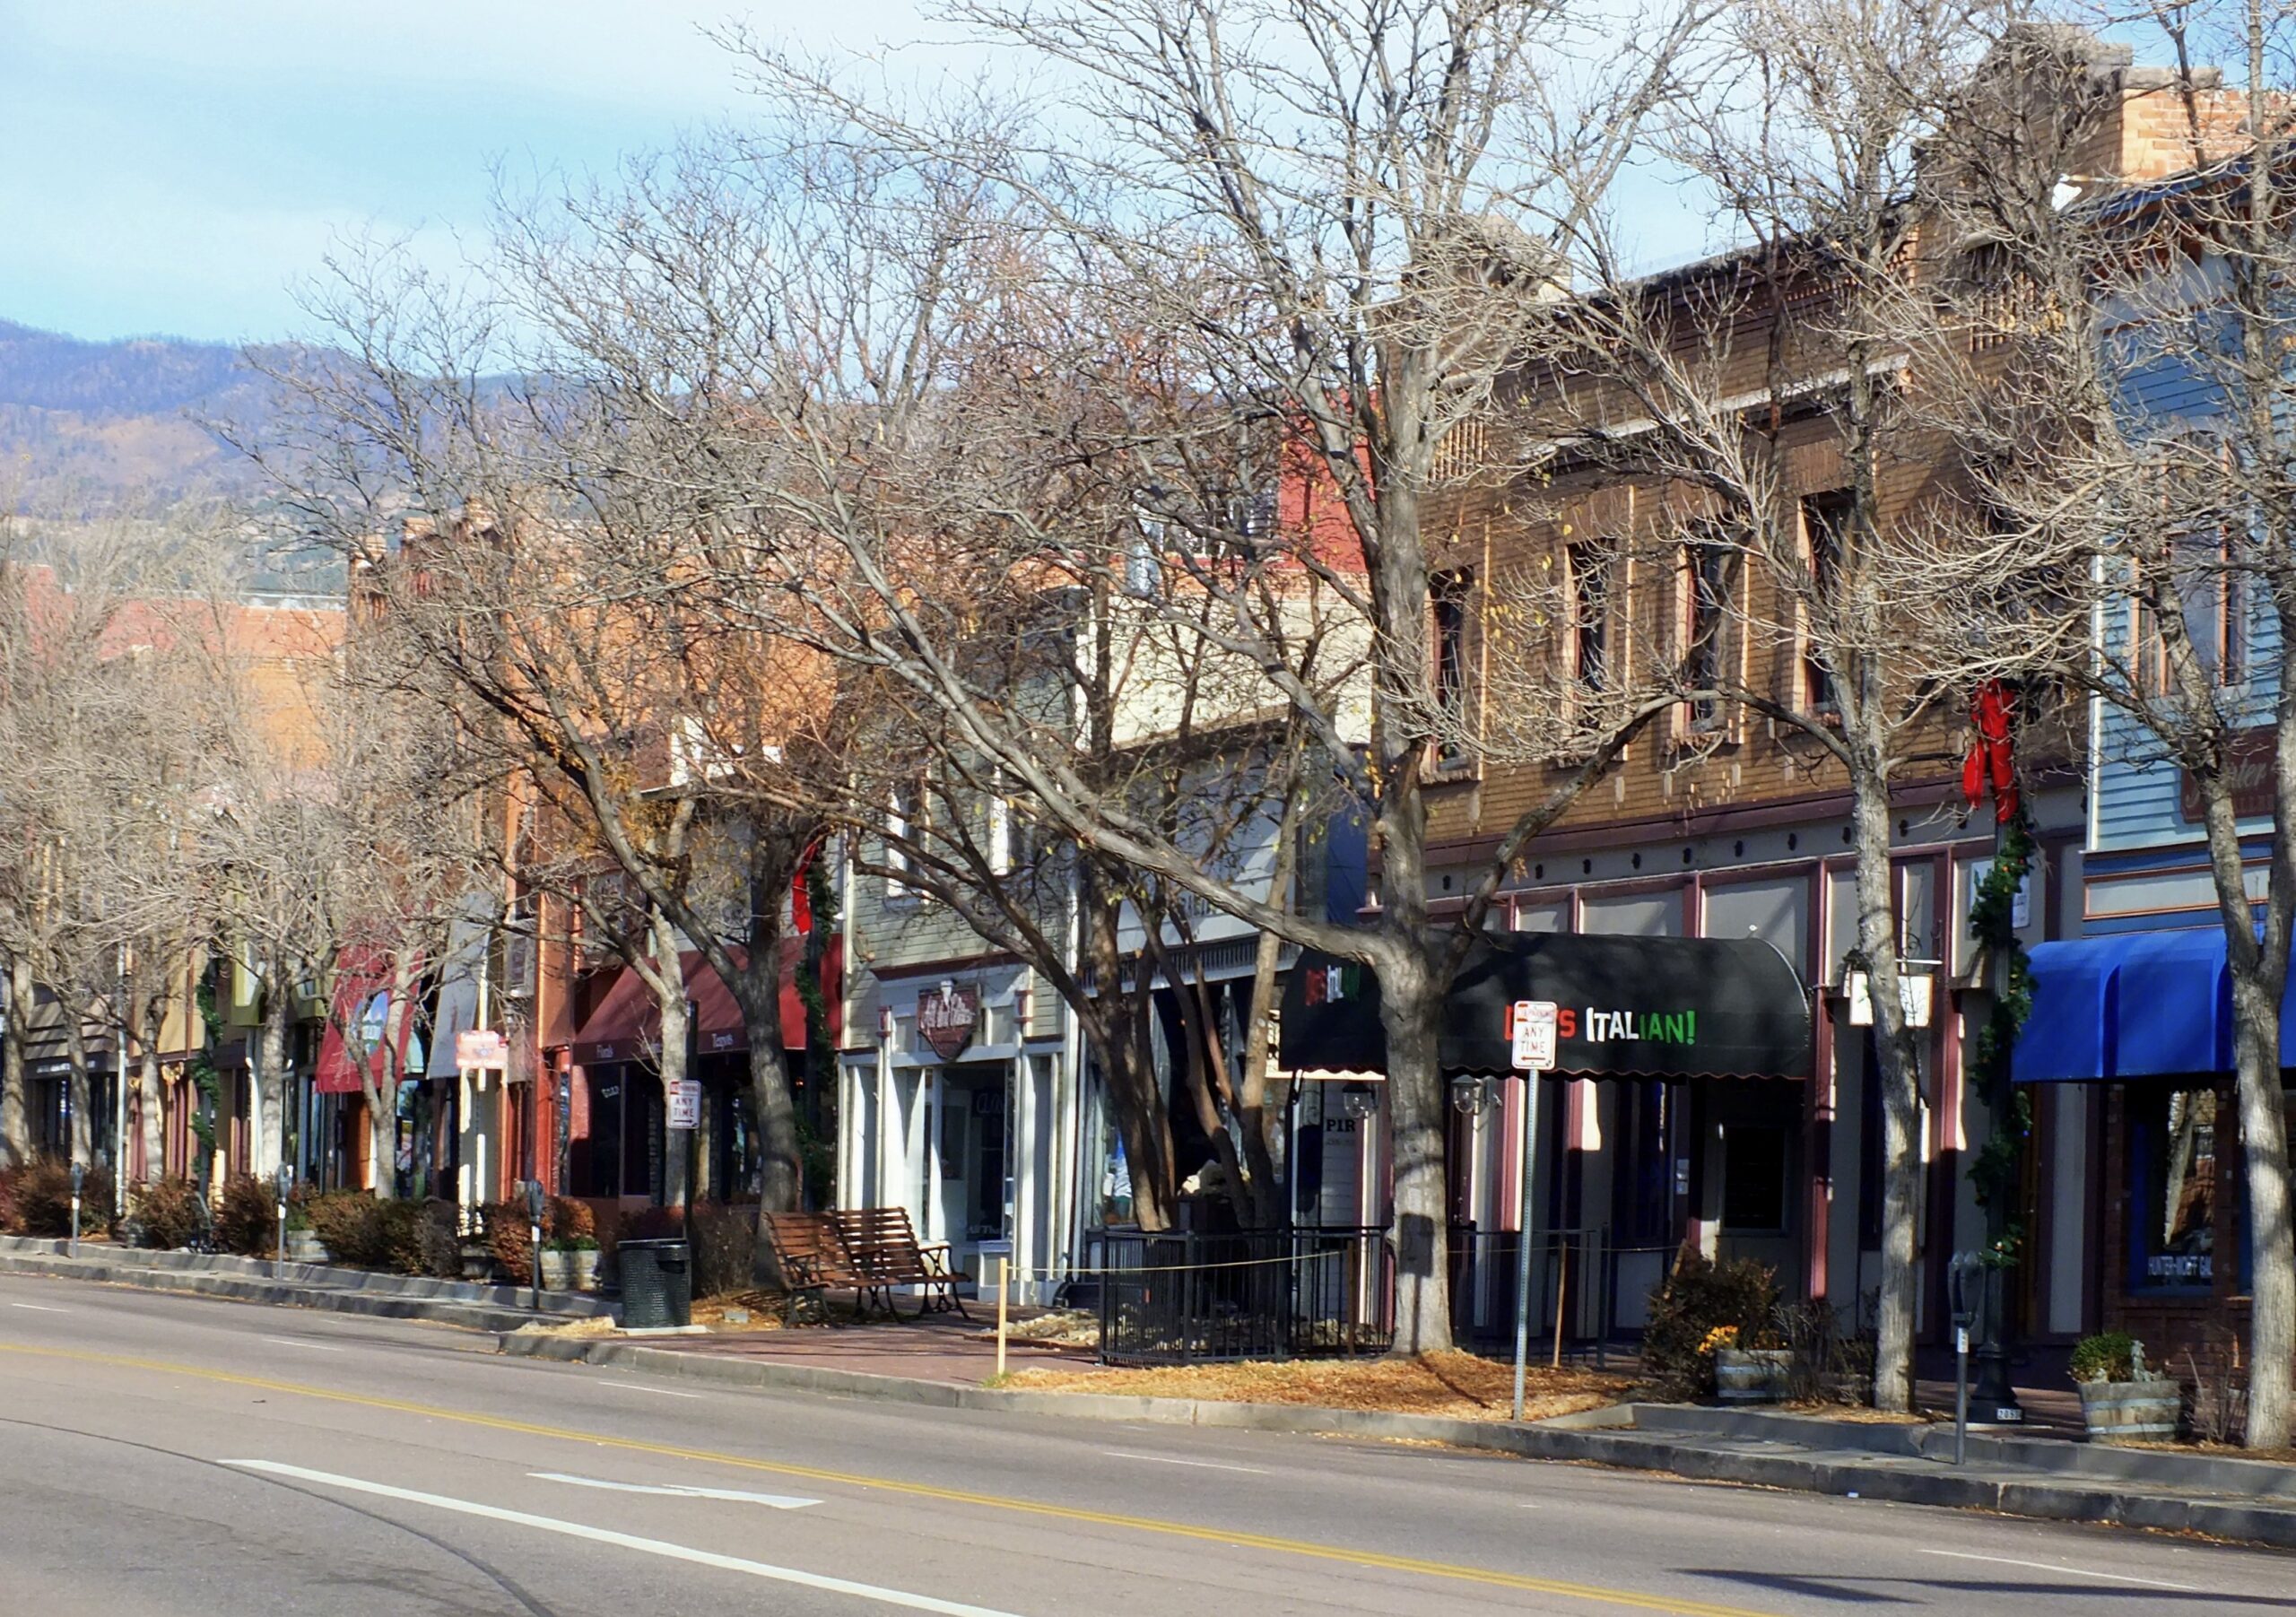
{"x": 2172, "y": 1201}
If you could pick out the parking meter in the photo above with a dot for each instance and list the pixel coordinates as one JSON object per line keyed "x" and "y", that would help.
{"x": 285, "y": 1179}
{"x": 1965, "y": 1291}
{"x": 534, "y": 1227}
{"x": 78, "y": 1176}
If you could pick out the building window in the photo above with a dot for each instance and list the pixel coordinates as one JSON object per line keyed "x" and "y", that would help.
{"x": 1709, "y": 565}
{"x": 1753, "y": 1178}
{"x": 1826, "y": 530}
{"x": 2172, "y": 1194}
{"x": 1448, "y": 595}
{"x": 897, "y": 808}
{"x": 1589, "y": 569}
{"x": 2214, "y": 598}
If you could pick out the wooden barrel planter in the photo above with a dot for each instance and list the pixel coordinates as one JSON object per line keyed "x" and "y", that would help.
{"x": 1752, "y": 1375}
{"x": 2132, "y": 1412}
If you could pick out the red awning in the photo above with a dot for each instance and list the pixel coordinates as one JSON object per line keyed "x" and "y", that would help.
{"x": 362, "y": 982}
{"x": 626, "y": 1024}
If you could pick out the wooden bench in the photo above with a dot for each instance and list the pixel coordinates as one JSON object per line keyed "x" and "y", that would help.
{"x": 814, "y": 1257}
{"x": 884, "y": 1250}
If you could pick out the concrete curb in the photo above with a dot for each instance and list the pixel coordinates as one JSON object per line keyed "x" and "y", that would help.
{"x": 573, "y": 1304}
{"x": 382, "y": 1304}
{"x": 1614, "y": 1436}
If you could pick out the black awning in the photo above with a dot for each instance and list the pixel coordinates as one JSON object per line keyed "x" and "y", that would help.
{"x": 1645, "y": 1007}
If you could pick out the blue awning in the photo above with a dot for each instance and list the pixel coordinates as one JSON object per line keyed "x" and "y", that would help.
{"x": 2137, "y": 1004}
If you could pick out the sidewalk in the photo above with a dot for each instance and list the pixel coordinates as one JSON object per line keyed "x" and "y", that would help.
{"x": 941, "y": 1362}
{"x": 467, "y": 1303}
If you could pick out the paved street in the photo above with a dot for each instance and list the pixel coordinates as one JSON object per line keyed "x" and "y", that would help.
{"x": 181, "y": 1455}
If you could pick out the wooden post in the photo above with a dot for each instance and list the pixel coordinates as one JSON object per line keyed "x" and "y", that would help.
{"x": 1003, "y": 1290}
{"x": 1561, "y": 1302}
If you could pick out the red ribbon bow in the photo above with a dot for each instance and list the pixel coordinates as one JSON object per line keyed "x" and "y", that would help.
{"x": 1991, "y": 708}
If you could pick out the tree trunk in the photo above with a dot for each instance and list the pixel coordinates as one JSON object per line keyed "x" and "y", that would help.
{"x": 15, "y": 1125}
{"x": 382, "y": 1150}
{"x": 81, "y": 1099}
{"x": 669, "y": 993}
{"x": 1411, "y": 1009}
{"x": 2263, "y": 1140}
{"x": 266, "y": 1085}
{"x": 150, "y": 1097}
{"x": 1901, "y": 1092}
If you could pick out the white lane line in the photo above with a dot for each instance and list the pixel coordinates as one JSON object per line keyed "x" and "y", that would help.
{"x": 39, "y": 1308}
{"x": 778, "y": 1502}
{"x": 1119, "y": 1454}
{"x": 659, "y": 1392}
{"x": 627, "y": 1541}
{"x": 2043, "y": 1566}
{"x": 317, "y": 1347}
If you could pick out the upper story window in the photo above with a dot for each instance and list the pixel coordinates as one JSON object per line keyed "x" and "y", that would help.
{"x": 900, "y": 806}
{"x": 2215, "y": 595}
{"x": 1448, "y": 595}
{"x": 1826, "y": 521}
{"x": 1590, "y": 567}
{"x": 1709, "y": 569}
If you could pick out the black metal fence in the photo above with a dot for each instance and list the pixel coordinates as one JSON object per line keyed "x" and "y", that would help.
{"x": 1587, "y": 1291}
{"x": 1183, "y": 1298}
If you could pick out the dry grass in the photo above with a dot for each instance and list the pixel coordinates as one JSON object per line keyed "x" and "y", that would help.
{"x": 1456, "y": 1384}
{"x": 764, "y": 1309}
{"x": 598, "y": 1324}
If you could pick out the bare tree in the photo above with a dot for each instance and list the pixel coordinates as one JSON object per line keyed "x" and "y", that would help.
{"x": 1255, "y": 240}
{"x": 2144, "y": 450}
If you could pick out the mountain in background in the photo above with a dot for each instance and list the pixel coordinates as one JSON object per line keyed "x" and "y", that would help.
{"x": 88, "y": 427}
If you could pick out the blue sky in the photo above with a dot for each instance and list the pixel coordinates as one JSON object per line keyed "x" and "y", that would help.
{"x": 182, "y": 166}
{"x": 174, "y": 165}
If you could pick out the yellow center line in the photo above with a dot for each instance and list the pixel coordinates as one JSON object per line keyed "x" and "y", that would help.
{"x": 1304, "y": 1548}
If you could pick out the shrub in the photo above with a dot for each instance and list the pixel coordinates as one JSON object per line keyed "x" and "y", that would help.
{"x": 40, "y": 1198}
{"x": 349, "y": 1224}
{"x": 167, "y": 1213}
{"x": 2108, "y": 1356}
{"x": 246, "y": 1220}
{"x": 571, "y": 1220}
{"x": 509, "y": 1238}
{"x": 426, "y": 1238}
{"x": 1699, "y": 1299}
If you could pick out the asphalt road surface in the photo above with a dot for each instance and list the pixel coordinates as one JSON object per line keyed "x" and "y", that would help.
{"x": 164, "y": 1454}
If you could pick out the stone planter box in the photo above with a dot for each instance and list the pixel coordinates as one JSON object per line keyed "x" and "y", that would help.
{"x": 2132, "y": 1412}
{"x": 1752, "y": 1375}
{"x": 569, "y": 1271}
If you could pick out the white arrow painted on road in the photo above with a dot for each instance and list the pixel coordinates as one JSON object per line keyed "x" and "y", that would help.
{"x": 625, "y": 1541}
{"x": 778, "y": 1502}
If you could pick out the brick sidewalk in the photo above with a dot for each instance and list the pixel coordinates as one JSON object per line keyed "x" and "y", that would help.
{"x": 939, "y": 1347}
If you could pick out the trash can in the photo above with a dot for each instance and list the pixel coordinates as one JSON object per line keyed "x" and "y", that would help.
{"x": 656, "y": 1284}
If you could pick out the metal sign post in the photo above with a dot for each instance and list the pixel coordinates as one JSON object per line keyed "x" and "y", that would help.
{"x": 1532, "y": 1034}
{"x": 72, "y": 1247}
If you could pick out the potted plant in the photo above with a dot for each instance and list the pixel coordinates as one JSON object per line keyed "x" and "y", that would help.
{"x": 1748, "y": 1375}
{"x": 2123, "y": 1401}
{"x": 569, "y": 1263}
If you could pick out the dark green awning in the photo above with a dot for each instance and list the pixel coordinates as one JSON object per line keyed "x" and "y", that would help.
{"x": 1641, "y": 1007}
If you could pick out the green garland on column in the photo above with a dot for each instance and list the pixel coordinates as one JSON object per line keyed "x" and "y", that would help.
{"x": 1995, "y": 1169}
{"x": 201, "y": 1070}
